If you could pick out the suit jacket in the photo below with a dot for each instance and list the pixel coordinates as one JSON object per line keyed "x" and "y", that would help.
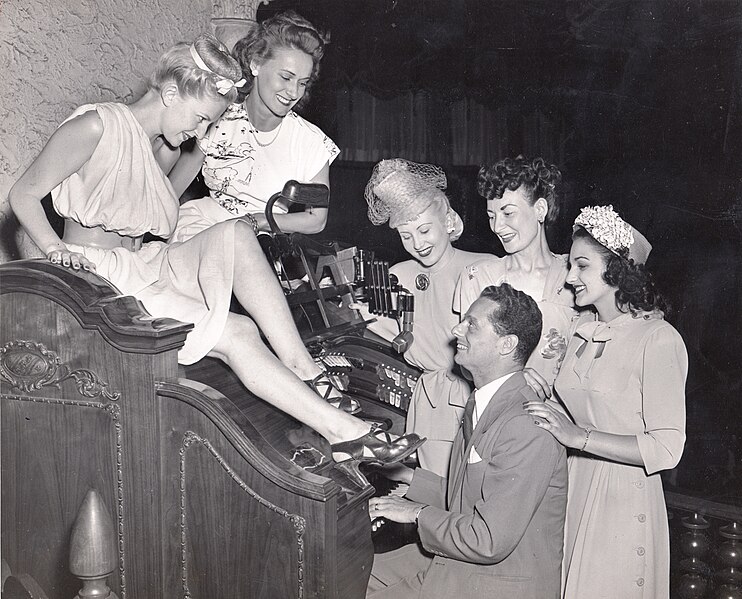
{"x": 496, "y": 527}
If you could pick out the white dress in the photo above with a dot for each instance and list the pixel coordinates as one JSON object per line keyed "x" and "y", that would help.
{"x": 242, "y": 174}
{"x": 122, "y": 189}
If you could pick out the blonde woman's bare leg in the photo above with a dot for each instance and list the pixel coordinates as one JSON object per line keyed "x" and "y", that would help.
{"x": 260, "y": 294}
{"x": 242, "y": 349}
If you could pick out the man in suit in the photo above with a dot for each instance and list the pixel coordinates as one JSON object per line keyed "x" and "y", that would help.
{"x": 494, "y": 527}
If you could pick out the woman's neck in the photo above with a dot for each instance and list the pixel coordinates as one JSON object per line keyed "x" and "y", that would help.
{"x": 607, "y": 309}
{"x": 534, "y": 257}
{"x": 442, "y": 262}
{"x": 260, "y": 117}
{"x": 147, "y": 112}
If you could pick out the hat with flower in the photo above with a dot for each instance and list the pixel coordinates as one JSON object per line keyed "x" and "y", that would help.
{"x": 612, "y": 232}
{"x": 400, "y": 190}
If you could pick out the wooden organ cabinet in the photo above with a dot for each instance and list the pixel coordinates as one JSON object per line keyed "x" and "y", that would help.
{"x": 212, "y": 493}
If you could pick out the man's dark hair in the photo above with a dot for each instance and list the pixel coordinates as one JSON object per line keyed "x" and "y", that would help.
{"x": 515, "y": 313}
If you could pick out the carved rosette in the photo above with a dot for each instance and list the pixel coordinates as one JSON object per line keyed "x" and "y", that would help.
{"x": 29, "y": 366}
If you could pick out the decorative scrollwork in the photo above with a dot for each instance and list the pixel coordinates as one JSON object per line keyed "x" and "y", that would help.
{"x": 298, "y": 522}
{"x": 114, "y": 411}
{"x": 29, "y": 366}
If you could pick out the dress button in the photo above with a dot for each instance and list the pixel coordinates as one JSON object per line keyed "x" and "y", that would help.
{"x": 640, "y": 582}
{"x": 642, "y": 518}
{"x": 639, "y": 485}
{"x": 640, "y": 551}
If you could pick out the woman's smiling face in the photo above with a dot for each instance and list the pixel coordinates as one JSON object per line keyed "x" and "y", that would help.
{"x": 282, "y": 79}
{"x": 514, "y": 220}
{"x": 426, "y": 238}
{"x": 586, "y": 267}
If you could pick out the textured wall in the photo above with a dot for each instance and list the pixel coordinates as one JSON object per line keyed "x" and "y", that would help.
{"x": 57, "y": 55}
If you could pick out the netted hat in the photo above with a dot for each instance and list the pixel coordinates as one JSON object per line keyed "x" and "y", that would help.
{"x": 612, "y": 232}
{"x": 400, "y": 190}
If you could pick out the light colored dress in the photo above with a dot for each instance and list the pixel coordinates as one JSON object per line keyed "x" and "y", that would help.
{"x": 556, "y": 305}
{"x": 242, "y": 174}
{"x": 626, "y": 377}
{"x": 440, "y": 395}
{"x": 123, "y": 189}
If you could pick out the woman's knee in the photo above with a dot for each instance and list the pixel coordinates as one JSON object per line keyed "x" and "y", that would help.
{"x": 238, "y": 331}
{"x": 245, "y": 239}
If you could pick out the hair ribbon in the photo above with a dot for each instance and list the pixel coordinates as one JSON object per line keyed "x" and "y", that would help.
{"x": 223, "y": 85}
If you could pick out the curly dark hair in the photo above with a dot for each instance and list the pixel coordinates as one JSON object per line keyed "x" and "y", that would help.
{"x": 516, "y": 313}
{"x": 634, "y": 284}
{"x": 537, "y": 177}
{"x": 284, "y": 30}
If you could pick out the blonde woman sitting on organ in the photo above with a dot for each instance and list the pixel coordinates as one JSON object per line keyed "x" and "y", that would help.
{"x": 90, "y": 165}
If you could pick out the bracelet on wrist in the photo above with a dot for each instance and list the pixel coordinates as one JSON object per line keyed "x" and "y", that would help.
{"x": 417, "y": 513}
{"x": 252, "y": 221}
{"x": 587, "y": 438}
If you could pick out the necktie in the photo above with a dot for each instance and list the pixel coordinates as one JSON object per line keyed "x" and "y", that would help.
{"x": 467, "y": 422}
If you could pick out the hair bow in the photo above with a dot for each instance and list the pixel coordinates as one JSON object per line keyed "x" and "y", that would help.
{"x": 224, "y": 86}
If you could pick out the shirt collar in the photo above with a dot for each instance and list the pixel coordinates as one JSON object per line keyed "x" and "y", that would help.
{"x": 483, "y": 395}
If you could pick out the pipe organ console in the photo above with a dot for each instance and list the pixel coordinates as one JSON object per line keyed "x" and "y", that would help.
{"x": 212, "y": 492}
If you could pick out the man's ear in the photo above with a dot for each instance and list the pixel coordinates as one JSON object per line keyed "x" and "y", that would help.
{"x": 508, "y": 344}
{"x": 169, "y": 93}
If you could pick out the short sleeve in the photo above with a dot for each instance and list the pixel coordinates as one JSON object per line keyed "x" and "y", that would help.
{"x": 664, "y": 373}
{"x": 472, "y": 280}
{"x": 316, "y": 148}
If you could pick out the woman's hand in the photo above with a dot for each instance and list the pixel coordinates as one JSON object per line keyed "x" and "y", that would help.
{"x": 70, "y": 259}
{"x": 552, "y": 417}
{"x": 537, "y": 383}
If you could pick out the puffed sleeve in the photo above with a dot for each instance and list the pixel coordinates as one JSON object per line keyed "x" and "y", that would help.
{"x": 664, "y": 372}
{"x": 467, "y": 289}
{"x": 518, "y": 475}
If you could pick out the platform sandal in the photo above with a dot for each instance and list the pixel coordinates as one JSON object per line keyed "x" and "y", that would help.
{"x": 323, "y": 386}
{"x": 384, "y": 450}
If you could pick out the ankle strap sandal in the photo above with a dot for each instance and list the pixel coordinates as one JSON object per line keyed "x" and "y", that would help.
{"x": 378, "y": 447}
{"x": 323, "y": 386}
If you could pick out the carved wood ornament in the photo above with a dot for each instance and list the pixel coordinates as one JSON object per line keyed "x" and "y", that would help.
{"x": 29, "y": 366}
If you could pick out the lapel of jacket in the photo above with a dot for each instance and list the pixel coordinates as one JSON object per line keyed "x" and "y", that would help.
{"x": 460, "y": 454}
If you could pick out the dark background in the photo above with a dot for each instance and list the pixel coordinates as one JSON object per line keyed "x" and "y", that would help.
{"x": 647, "y": 96}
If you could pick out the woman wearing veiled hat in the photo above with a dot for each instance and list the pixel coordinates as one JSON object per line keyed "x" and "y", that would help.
{"x": 621, "y": 411}
{"x": 412, "y": 199}
{"x": 522, "y": 202}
